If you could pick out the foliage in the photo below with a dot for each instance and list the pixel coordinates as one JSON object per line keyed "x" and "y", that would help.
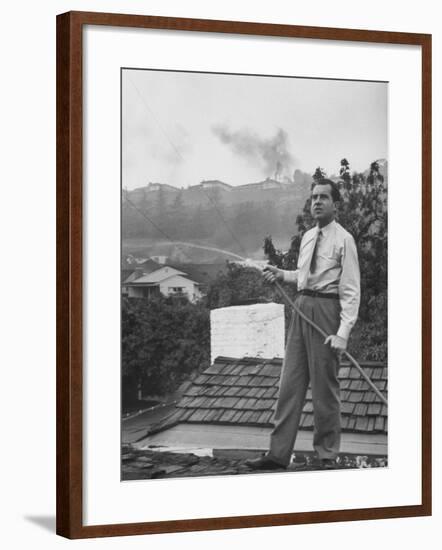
{"x": 213, "y": 216}
{"x": 163, "y": 341}
{"x": 237, "y": 285}
{"x": 363, "y": 212}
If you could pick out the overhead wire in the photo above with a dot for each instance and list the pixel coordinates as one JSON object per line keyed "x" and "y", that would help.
{"x": 178, "y": 153}
{"x": 215, "y": 206}
{"x": 157, "y": 227}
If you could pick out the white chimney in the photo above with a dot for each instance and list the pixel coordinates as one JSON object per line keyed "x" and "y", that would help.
{"x": 247, "y": 331}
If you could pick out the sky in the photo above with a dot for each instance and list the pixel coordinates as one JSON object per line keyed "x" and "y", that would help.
{"x": 181, "y": 128}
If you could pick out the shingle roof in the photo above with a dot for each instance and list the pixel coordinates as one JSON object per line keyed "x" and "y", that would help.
{"x": 159, "y": 275}
{"x": 244, "y": 392}
{"x": 125, "y": 273}
{"x": 200, "y": 273}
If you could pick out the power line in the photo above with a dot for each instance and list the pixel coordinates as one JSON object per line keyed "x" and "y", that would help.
{"x": 156, "y": 119}
{"x": 244, "y": 251}
{"x": 157, "y": 227}
{"x": 176, "y": 150}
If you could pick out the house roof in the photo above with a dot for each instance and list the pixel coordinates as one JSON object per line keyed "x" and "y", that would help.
{"x": 126, "y": 273}
{"x": 159, "y": 275}
{"x": 259, "y": 184}
{"x": 244, "y": 392}
{"x": 212, "y": 183}
{"x": 201, "y": 273}
{"x": 149, "y": 265}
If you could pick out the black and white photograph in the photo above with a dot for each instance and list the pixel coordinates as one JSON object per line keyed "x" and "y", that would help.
{"x": 254, "y": 247}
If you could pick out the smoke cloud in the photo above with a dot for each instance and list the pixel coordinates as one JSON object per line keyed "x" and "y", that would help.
{"x": 271, "y": 154}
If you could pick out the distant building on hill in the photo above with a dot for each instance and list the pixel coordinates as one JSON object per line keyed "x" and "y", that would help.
{"x": 268, "y": 183}
{"x": 212, "y": 184}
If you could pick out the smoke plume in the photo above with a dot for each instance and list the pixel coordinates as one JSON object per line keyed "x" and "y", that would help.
{"x": 271, "y": 154}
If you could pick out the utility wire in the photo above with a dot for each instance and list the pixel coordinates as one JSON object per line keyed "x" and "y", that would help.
{"x": 156, "y": 119}
{"x": 215, "y": 206}
{"x": 157, "y": 227}
{"x": 178, "y": 153}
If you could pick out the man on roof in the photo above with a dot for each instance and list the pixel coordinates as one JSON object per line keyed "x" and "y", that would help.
{"x": 328, "y": 284}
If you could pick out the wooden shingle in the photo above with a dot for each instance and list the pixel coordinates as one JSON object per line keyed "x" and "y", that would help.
{"x": 244, "y": 391}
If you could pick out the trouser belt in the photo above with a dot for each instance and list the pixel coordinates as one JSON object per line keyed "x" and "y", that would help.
{"x": 316, "y": 294}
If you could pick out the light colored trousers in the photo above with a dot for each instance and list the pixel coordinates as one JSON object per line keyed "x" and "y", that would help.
{"x": 306, "y": 360}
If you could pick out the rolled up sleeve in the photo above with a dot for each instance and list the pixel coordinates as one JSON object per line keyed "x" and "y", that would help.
{"x": 349, "y": 288}
{"x": 290, "y": 276}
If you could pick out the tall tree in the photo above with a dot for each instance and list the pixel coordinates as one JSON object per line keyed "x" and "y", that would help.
{"x": 163, "y": 341}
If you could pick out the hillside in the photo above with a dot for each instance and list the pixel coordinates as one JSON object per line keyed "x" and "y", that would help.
{"x": 212, "y": 214}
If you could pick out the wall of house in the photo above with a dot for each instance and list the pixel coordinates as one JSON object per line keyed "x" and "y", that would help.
{"x": 135, "y": 292}
{"x": 189, "y": 287}
{"x": 247, "y": 331}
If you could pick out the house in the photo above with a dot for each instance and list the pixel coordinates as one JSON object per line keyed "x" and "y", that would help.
{"x": 160, "y": 186}
{"x": 165, "y": 280}
{"x": 268, "y": 183}
{"x": 230, "y": 405}
{"x": 141, "y": 194}
{"x": 209, "y": 185}
{"x": 203, "y": 274}
{"x": 133, "y": 270}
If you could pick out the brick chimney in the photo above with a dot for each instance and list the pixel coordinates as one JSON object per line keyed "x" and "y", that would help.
{"x": 255, "y": 330}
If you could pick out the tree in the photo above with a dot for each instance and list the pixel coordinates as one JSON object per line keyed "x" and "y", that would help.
{"x": 344, "y": 173}
{"x": 236, "y": 285}
{"x": 319, "y": 174}
{"x": 163, "y": 341}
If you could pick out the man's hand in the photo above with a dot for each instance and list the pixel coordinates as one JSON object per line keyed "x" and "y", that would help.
{"x": 272, "y": 274}
{"x": 337, "y": 344}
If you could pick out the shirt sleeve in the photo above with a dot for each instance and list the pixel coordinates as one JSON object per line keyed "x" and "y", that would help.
{"x": 349, "y": 288}
{"x": 290, "y": 276}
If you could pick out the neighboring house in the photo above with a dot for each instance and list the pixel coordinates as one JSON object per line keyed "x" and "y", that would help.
{"x": 167, "y": 281}
{"x": 133, "y": 271}
{"x": 203, "y": 274}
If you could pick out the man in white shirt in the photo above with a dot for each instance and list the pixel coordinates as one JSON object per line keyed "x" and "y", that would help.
{"x": 328, "y": 283}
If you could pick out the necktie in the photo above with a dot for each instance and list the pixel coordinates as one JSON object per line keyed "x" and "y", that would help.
{"x": 313, "y": 262}
{"x": 305, "y": 268}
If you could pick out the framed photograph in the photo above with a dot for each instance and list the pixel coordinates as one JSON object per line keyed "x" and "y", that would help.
{"x": 243, "y": 274}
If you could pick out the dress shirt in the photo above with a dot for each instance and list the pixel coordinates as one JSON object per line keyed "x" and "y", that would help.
{"x": 336, "y": 270}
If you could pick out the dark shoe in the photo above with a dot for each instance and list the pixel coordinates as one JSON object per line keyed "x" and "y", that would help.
{"x": 264, "y": 463}
{"x": 327, "y": 463}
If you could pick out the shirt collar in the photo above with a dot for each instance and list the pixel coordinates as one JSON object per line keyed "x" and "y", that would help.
{"x": 327, "y": 228}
